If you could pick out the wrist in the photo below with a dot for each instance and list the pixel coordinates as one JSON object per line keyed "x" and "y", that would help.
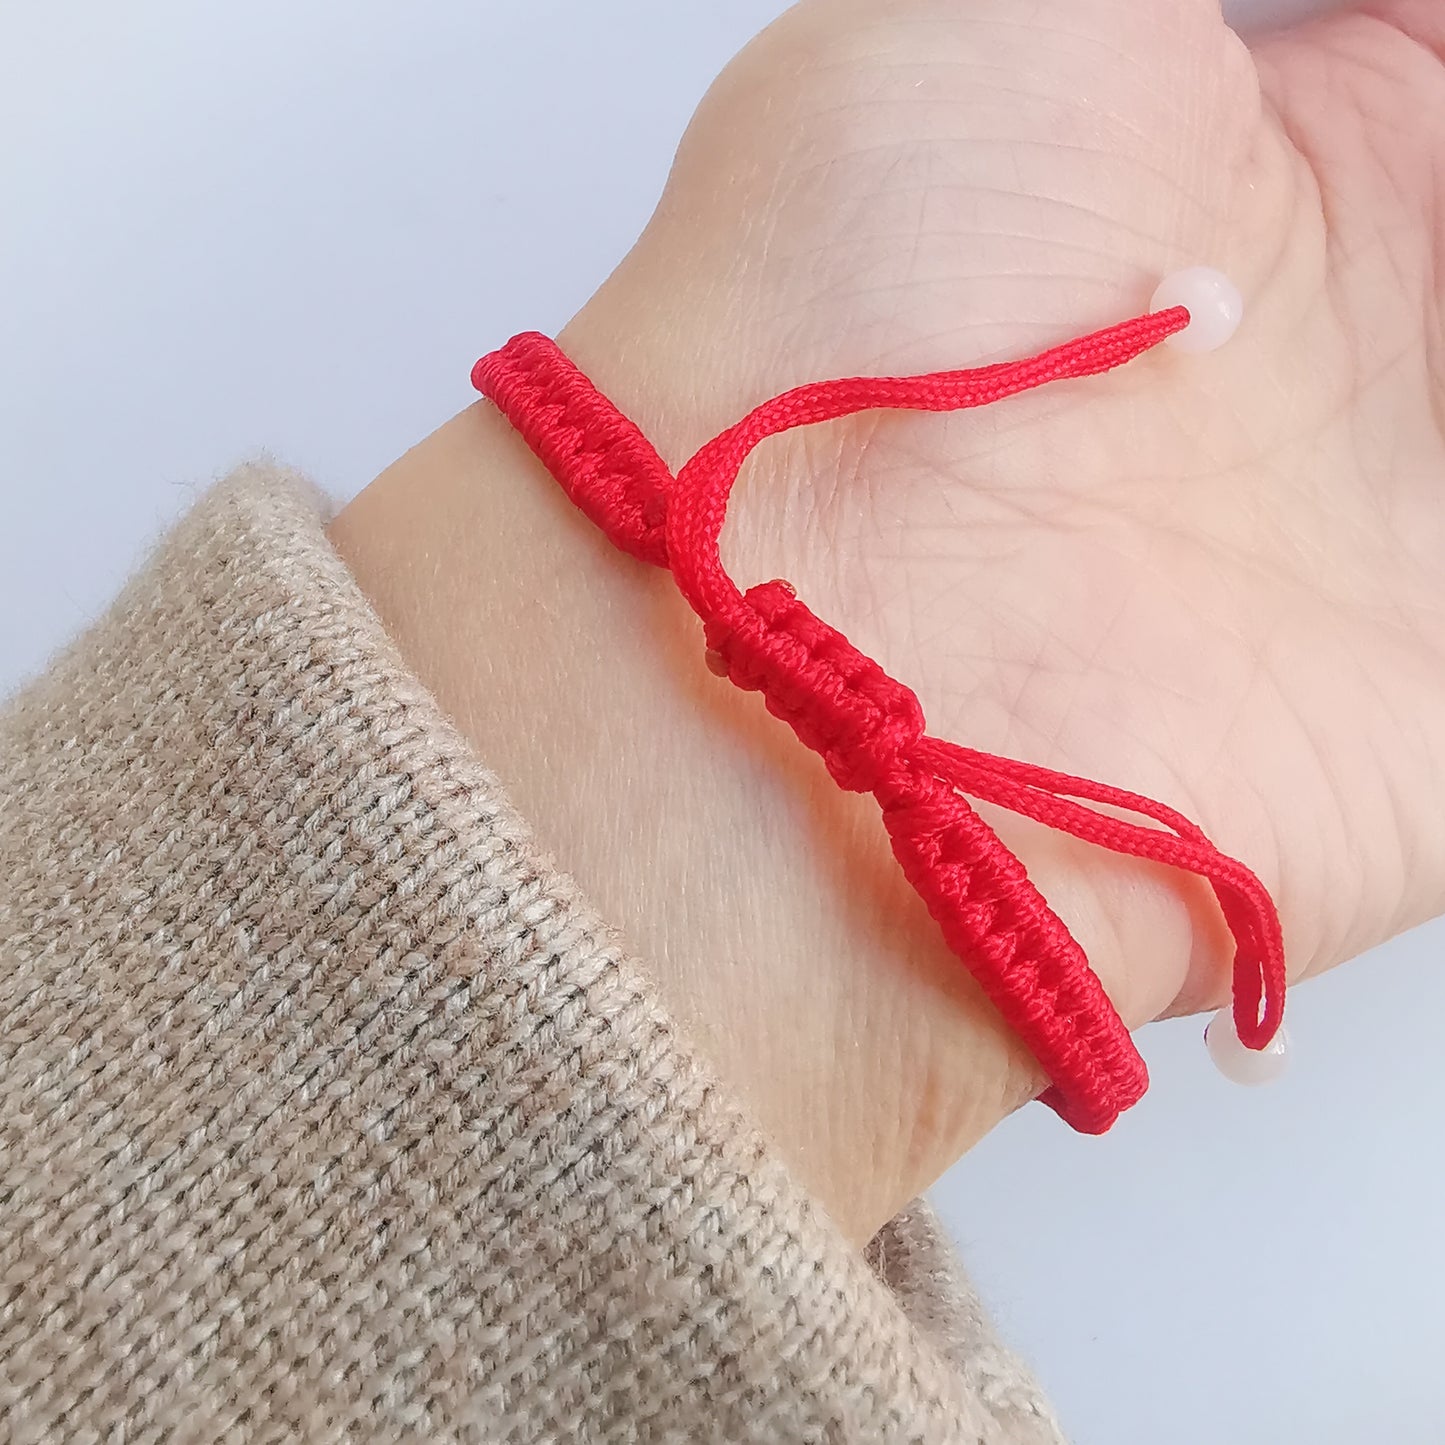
{"x": 763, "y": 901}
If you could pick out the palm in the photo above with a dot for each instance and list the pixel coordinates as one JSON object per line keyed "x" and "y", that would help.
{"x": 1212, "y": 580}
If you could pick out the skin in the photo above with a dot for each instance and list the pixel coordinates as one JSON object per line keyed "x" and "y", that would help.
{"x": 1215, "y": 580}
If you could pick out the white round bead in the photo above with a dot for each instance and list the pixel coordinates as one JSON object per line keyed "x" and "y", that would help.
{"x": 1214, "y": 304}
{"x": 1239, "y": 1064}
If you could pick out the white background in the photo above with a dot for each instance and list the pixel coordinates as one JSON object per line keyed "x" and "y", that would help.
{"x": 293, "y": 227}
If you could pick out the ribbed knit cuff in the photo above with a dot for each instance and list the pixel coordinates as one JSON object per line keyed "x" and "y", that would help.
{"x": 329, "y": 1109}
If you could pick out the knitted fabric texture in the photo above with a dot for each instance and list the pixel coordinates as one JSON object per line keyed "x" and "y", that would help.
{"x": 330, "y": 1111}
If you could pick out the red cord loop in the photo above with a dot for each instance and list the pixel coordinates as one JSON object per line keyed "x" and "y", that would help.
{"x": 869, "y": 728}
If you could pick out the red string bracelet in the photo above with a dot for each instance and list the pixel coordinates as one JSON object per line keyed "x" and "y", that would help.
{"x": 869, "y": 728}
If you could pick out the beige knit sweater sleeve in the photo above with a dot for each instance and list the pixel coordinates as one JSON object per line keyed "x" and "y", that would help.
{"x": 330, "y": 1111}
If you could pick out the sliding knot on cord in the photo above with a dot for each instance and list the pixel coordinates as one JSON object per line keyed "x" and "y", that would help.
{"x": 838, "y": 701}
{"x": 869, "y": 728}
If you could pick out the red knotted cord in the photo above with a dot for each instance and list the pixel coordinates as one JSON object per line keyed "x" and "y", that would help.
{"x": 869, "y": 728}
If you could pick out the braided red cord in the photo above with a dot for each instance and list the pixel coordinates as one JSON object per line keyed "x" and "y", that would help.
{"x": 869, "y": 728}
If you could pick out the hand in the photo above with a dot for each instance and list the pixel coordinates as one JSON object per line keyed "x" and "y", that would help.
{"x": 1213, "y": 580}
